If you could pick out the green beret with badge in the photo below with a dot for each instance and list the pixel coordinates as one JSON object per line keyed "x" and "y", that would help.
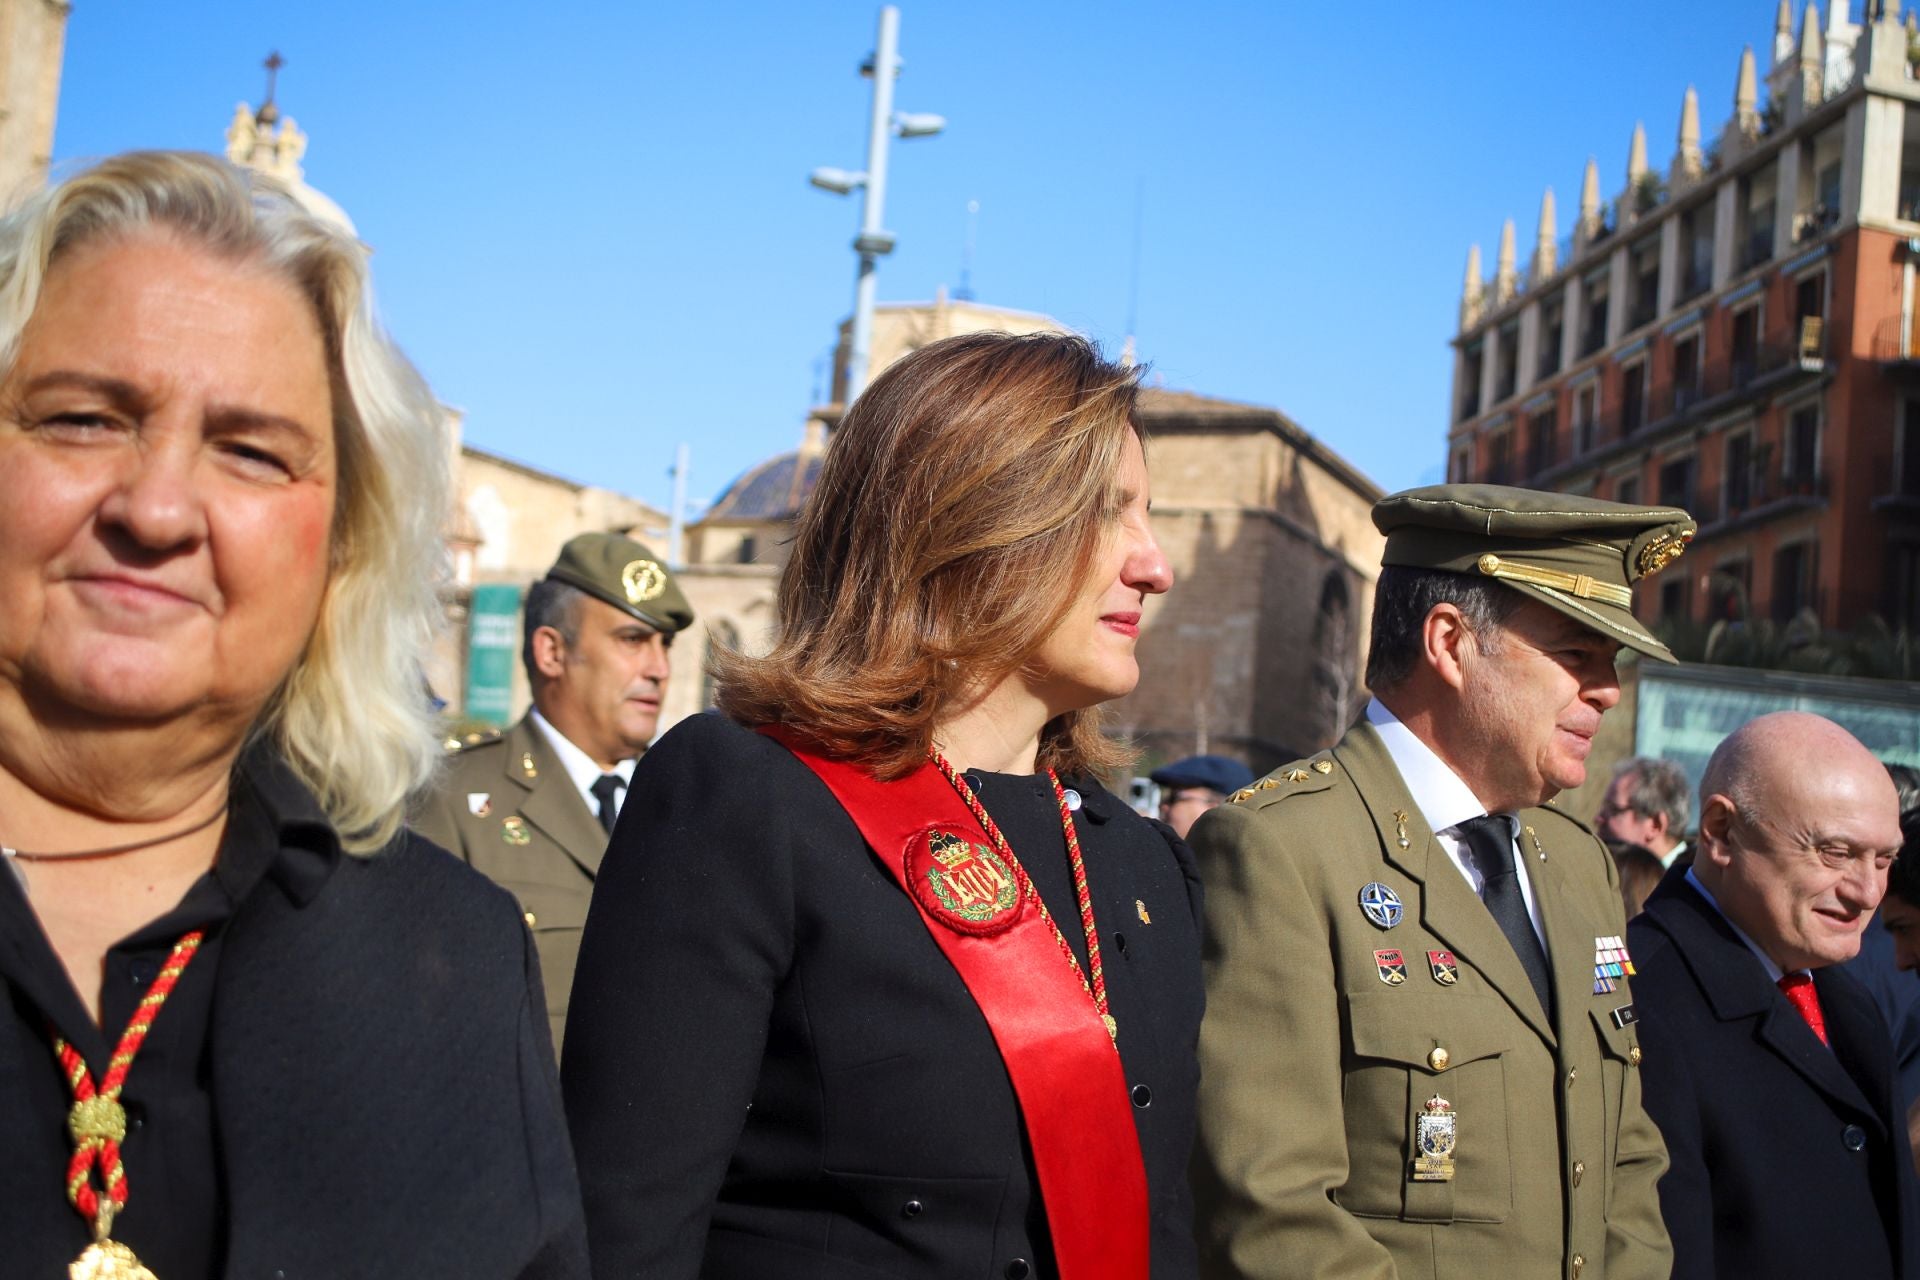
{"x": 1578, "y": 555}
{"x": 614, "y": 568}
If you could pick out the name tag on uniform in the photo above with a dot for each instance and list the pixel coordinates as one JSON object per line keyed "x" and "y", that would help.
{"x": 1624, "y": 1016}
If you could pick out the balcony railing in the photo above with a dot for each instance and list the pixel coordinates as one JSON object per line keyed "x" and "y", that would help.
{"x": 1889, "y": 345}
{"x": 1768, "y": 493}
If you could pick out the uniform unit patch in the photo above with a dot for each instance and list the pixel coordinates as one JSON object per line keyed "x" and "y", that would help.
{"x": 1445, "y": 969}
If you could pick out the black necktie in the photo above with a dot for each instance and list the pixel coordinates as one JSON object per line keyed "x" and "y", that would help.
{"x": 606, "y": 790}
{"x": 1490, "y": 845}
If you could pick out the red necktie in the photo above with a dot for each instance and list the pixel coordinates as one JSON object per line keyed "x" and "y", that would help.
{"x": 1799, "y": 989}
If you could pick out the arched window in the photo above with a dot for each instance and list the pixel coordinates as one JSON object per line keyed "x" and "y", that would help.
{"x": 721, "y": 634}
{"x": 1334, "y": 656}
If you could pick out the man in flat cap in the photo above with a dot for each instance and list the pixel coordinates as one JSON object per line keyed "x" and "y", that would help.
{"x": 533, "y": 808}
{"x": 1190, "y": 787}
{"x": 1420, "y": 1056}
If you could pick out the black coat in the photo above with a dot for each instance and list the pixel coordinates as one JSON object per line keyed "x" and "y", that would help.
{"x": 380, "y": 1073}
{"x": 771, "y": 1068}
{"x": 1788, "y": 1160}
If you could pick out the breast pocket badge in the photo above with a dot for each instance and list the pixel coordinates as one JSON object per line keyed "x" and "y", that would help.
{"x": 1445, "y": 969}
{"x": 1392, "y": 967}
{"x": 1435, "y": 1131}
{"x": 1381, "y": 904}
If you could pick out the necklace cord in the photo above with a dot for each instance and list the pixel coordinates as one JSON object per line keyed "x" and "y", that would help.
{"x": 86, "y": 855}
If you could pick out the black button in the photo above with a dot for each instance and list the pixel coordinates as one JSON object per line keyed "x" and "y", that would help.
{"x": 142, "y": 973}
{"x": 1854, "y": 1138}
{"x": 1142, "y": 1096}
{"x": 1120, "y": 942}
{"x": 136, "y": 1115}
{"x": 911, "y": 1209}
{"x": 1019, "y": 1269}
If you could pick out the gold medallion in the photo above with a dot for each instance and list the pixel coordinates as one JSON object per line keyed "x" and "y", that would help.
{"x": 108, "y": 1260}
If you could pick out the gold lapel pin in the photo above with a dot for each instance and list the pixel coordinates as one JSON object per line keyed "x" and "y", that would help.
{"x": 1400, "y": 828}
{"x": 1531, "y": 835}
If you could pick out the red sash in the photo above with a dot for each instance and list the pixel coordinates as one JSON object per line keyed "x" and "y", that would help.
{"x": 1068, "y": 1078}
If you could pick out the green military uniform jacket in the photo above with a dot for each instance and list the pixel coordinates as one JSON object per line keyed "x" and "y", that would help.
{"x": 1315, "y": 1066}
{"x": 506, "y": 805}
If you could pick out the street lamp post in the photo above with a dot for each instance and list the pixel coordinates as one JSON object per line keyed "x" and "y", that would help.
{"x": 874, "y": 240}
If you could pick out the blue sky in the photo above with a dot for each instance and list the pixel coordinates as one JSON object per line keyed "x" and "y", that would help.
{"x": 593, "y": 232}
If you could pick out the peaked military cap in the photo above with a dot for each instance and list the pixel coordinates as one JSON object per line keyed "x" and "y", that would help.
{"x": 622, "y": 572}
{"x": 1216, "y": 773}
{"x": 1578, "y": 555}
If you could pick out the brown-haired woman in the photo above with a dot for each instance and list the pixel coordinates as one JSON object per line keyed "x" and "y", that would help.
{"x": 891, "y": 986}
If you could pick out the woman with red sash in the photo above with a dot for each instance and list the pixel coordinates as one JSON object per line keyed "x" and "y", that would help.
{"x": 878, "y": 980}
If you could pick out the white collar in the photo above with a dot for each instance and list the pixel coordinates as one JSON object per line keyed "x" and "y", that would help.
{"x": 1774, "y": 972}
{"x": 1442, "y": 798}
{"x": 581, "y": 769}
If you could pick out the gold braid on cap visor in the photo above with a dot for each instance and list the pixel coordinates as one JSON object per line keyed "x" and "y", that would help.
{"x": 1574, "y": 584}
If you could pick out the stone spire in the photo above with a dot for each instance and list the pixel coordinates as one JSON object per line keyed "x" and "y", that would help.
{"x": 1812, "y": 58}
{"x": 1637, "y": 155}
{"x": 1913, "y": 23}
{"x": 1746, "y": 96}
{"x": 1470, "y": 291}
{"x": 1588, "y": 228}
{"x": 1546, "y": 245}
{"x": 1506, "y": 280}
{"x": 254, "y": 141}
{"x": 1688, "y": 162}
{"x": 1782, "y": 34}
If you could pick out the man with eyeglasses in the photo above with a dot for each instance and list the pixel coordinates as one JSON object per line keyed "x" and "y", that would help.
{"x": 1190, "y": 787}
{"x": 1768, "y": 1070}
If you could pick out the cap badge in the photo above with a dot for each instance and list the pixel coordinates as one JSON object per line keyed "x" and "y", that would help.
{"x": 643, "y": 580}
{"x": 1381, "y": 904}
{"x": 1662, "y": 551}
{"x": 1435, "y": 1131}
{"x": 1392, "y": 967}
{"x": 1445, "y": 969}
{"x": 967, "y": 887}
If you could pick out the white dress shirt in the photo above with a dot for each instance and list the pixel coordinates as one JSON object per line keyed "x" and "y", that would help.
{"x": 580, "y": 766}
{"x": 1445, "y": 802}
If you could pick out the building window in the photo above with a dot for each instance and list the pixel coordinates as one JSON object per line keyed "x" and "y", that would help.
{"x": 1906, "y": 459}
{"x": 1686, "y": 371}
{"x": 1626, "y": 489}
{"x": 1755, "y": 216}
{"x": 747, "y": 548}
{"x": 1643, "y": 270}
{"x": 1633, "y": 397}
{"x": 1506, "y": 362}
{"x": 1675, "y": 601}
{"x": 1903, "y": 587}
{"x": 1500, "y": 458}
{"x": 1739, "y": 477}
{"x": 1910, "y": 167}
{"x": 1802, "y": 462}
{"x": 1593, "y": 322}
{"x": 1472, "y": 361}
{"x": 1553, "y": 325}
{"x": 1676, "y": 483}
{"x": 1696, "y": 250}
{"x": 1583, "y": 416}
{"x": 1809, "y": 314}
{"x": 1745, "y": 345}
{"x": 1792, "y": 581}
{"x": 1460, "y": 465}
{"x": 1541, "y": 427}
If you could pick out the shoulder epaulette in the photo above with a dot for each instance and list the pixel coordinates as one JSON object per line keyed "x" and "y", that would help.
{"x": 1315, "y": 774}
{"x": 455, "y": 743}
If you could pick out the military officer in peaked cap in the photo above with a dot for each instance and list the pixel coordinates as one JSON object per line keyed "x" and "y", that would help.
{"x": 1420, "y": 1056}
{"x": 532, "y": 808}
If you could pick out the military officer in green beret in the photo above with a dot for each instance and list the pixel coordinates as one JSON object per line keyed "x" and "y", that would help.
{"x": 533, "y": 808}
{"x": 1420, "y": 1057}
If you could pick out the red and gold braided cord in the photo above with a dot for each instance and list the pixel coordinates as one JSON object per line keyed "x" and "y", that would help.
{"x": 1093, "y": 979}
{"x": 97, "y": 1121}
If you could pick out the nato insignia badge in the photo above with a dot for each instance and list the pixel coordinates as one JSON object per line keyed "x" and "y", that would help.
{"x": 1381, "y": 904}
{"x": 1435, "y": 1131}
{"x": 965, "y": 886}
{"x": 514, "y": 831}
{"x": 1392, "y": 967}
{"x": 1611, "y": 963}
{"x": 1446, "y": 970}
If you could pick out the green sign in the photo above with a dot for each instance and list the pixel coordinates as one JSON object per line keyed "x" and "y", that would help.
{"x": 493, "y": 642}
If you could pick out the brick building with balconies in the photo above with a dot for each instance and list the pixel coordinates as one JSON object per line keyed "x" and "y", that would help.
{"x": 1735, "y": 336}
